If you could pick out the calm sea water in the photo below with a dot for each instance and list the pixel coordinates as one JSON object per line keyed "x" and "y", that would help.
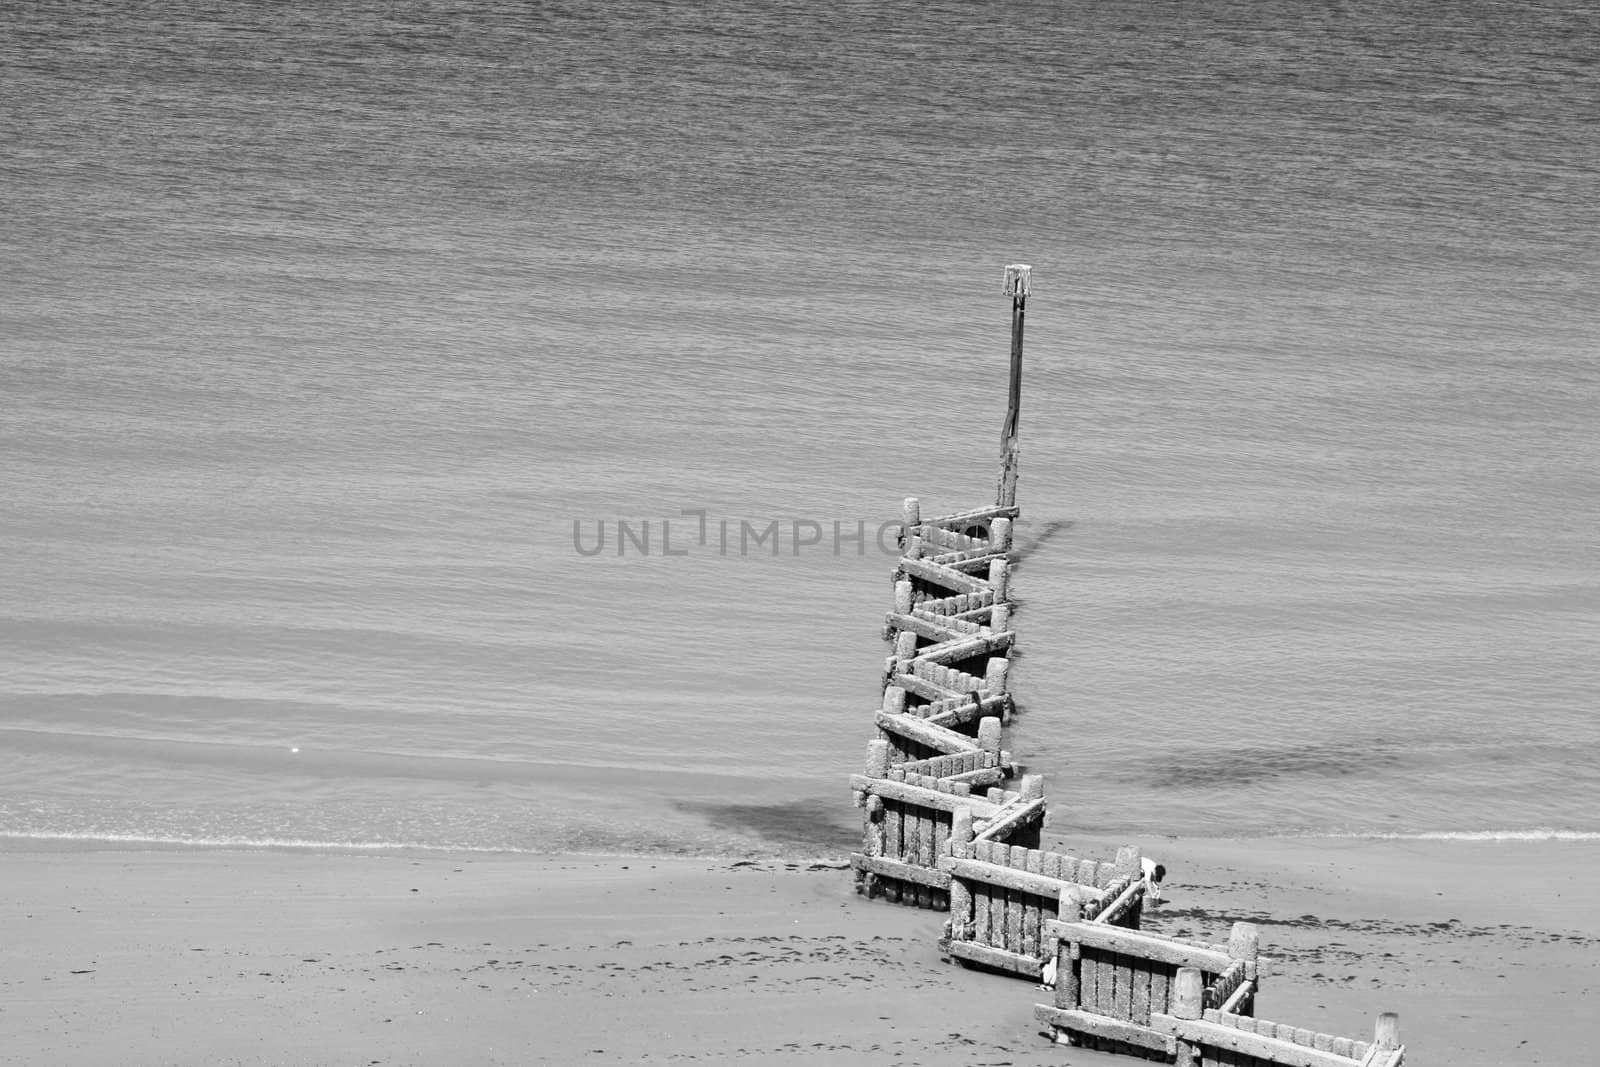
{"x": 321, "y": 328}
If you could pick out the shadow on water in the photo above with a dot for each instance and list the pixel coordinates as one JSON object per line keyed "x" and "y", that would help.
{"x": 1020, "y": 552}
{"x": 810, "y": 825}
{"x": 1193, "y": 767}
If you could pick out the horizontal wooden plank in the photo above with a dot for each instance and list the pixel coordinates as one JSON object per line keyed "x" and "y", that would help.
{"x": 946, "y": 577}
{"x": 926, "y": 798}
{"x": 1271, "y": 1049}
{"x": 981, "y": 777}
{"x": 933, "y": 631}
{"x": 1221, "y": 949}
{"x": 966, "y": 646}
{"x": 984, "y": 515}
{"x": 997, "y": 958}
{"x": 1134, "y": 943}
{"x": 1115, "y": 909}
{"x": 977, "y": 564}
{"x": 923, "y": 688}
{"x": 952, "y": 557}
{"x": 1384, "y": 1057}
{"x": 936, "y": 536}
{"x": 1013, "y": 817}
{"x": 924, "y": 732}
{"x": 1245, "y": 989}
{"x": 903, "y": 871}
{"x": 973, "y": 709}
{"x": 1005, "y": 877}
{"x": 1099, "y": 1026}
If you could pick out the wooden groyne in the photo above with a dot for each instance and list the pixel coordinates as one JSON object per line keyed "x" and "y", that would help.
{"x": 948, "y": 824}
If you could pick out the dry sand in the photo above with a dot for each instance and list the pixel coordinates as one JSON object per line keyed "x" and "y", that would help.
{"x": 1487, "y": 950}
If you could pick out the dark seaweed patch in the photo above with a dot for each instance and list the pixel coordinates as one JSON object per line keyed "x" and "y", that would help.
{"x": 1259, "y": 763}
{"x": 1449, "y": 928}
{"x": 808, "y": 824}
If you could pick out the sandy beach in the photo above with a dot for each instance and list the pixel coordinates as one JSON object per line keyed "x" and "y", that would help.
{"x": 1486, "y": 949}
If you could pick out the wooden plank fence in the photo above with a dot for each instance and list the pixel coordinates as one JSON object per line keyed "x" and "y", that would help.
{"x": 1002, "y": 896}
{"x": 942, "y": 830}
{"x": 1110, "y": 981}
{"x": 1201, "y": 1037}
{"x": 939, "y": 828}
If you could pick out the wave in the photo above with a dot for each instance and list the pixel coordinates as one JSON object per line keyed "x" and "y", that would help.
{"x": 178, "y": 841}
{"x": 801, "y": 856}
{"x": 1465, "y": 835}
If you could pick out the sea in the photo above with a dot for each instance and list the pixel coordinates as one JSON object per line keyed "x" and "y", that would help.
{"x": 482, "y": 424}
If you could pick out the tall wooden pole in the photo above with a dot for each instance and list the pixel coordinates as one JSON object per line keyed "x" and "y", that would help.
{"x": 1018, "y": 286}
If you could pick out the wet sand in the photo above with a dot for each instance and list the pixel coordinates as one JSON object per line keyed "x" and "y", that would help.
{"x": 1487, "y": 950}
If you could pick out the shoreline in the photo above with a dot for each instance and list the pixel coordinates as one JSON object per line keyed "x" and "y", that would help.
{"x": 1487, "y": 949}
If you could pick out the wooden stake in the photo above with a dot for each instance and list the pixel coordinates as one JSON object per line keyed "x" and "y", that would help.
{"x": 1188, "y": 988}
{"x": 877, "y": 759}
{"x": 1068, "y": 909}
{"x": 960, "y": 907}
{"x": 1018, "y": 285}
{"x": 905, "y": 650}
{"x": 994, "y": 674}
{"x": 1244, "y": 943}
{"x": 961, "y": 833}
{"x": 1000, "y": 535}
{"x": 998, "y": 574}
{"x": 989, "y": 730}
{"x": 913, "y": 513}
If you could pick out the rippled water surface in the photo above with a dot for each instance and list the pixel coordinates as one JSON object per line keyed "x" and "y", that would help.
{"x": 323, "y": 328}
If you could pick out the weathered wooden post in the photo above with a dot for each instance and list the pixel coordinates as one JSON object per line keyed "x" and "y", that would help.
{"x": 1018, "y": 286}
{"x": 999, "y": 575}
{"x": 1000, "y": 535}
{"x": 1386, "y": 1035}
{"x": 905, "y": 650}
{"x": 989, "y": 731}
{"x": 1187, "y": 990}
{"x": 960, "y": 893}
{"x": 1244, "y": 943}
{"x": 1069, "y": 910}
{"x": 902, "y": 597}
{"x": 877, "y": 759}
{"x": 872, "y": 822}
{"x": 913, "y": 519}
{"x": 994, "y": 675}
